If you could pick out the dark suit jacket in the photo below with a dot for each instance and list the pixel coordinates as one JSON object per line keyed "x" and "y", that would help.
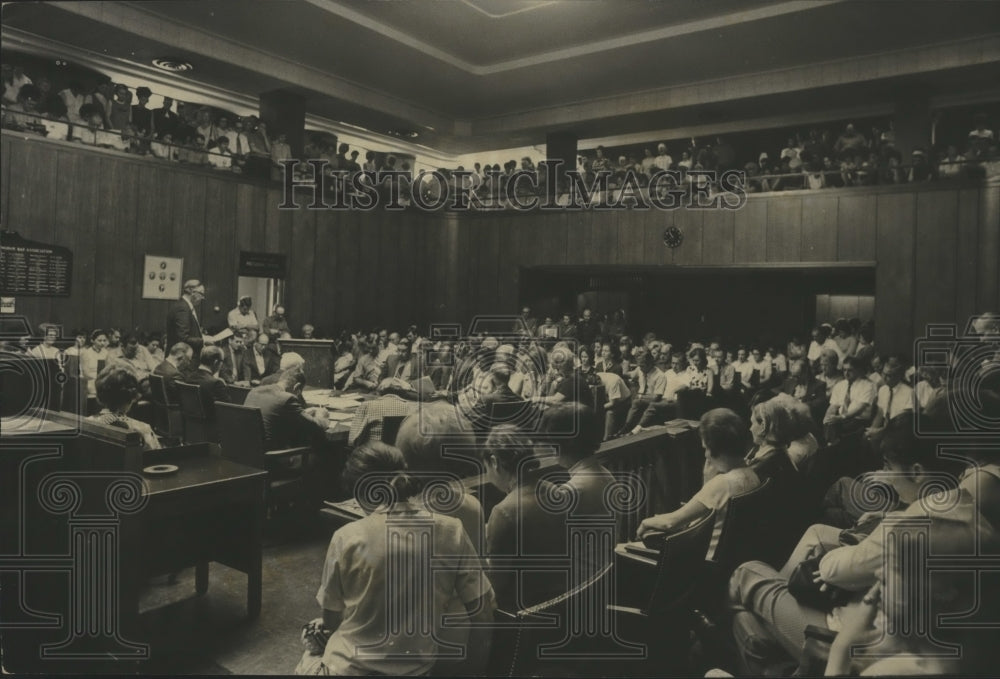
{"x": 272, "y": 364}
{"x": 212, "y": 389}
{"x": 170, "y": 374}
{"x": 182, "y": 326}
{"x": 285, "y": 424}
{"x": 233, "y": 371}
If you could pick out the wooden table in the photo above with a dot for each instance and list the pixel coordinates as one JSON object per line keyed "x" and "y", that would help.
{"x": 211, "y": 509}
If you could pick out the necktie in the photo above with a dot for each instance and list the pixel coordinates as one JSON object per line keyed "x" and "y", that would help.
{"x": 888, "y": 405}
{"x": 847, "y": 398}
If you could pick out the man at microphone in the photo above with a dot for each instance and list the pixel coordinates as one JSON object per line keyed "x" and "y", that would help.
{"x": 182, "y": 319}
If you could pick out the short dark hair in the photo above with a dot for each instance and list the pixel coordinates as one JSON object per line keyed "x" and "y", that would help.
{"x": 117, "y": 387}
{"x": 379, "y": 462}
{"x": 724, "y": 433}
{"x": 510, "y": 447}
{"x": 210, "y": 355}
{"x": 573, "y": 428}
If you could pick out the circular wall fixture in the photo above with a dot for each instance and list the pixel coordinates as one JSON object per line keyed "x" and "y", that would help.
{"x": 172, "y": 64}
{"x": 672, "y": 237}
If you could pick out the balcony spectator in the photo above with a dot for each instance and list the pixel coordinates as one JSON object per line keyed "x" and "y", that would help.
{"x": 663, "y": 160}
{"x": 951, "y": 166}
{"x": 142, "y": 117}
{"x": 49, "y": 103}
{"x": 23, "y": 115}
{"x": 832, "y": 173}
{"x": 725, "y": 155}
{"x": 184, "y": 126}
{"x": 707, "y": 157}
{"x": 889, "y": 171}
{"x": 204, "y": 125}
{"x": 648, "y": 162}
{"x": 120, "y": 113}
{"x": 14, "y": 78}
{"x": 369, "y": 164}
{"x": 981, "y": 137}
{"x": 600, "y": 162}
{"x": 920, "y": 168}
{"x": 353, "y": 166}
{"x": 163, "y": 147}
{"x": 74, "y": 96}
{"x": 280, "y": 150}
{"x": 163, "y": 119}
{"x": 850, "y": 143}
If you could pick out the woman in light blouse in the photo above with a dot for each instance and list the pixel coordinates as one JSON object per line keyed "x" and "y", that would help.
{"x": 90, "y": 358}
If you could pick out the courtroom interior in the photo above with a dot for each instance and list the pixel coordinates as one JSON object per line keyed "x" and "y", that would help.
{"x": 500, "y": 337}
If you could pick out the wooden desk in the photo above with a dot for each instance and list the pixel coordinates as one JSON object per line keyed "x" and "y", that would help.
{"x": 212, "y": 509}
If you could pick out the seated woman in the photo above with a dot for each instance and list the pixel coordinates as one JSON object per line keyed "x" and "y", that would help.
{"x": 527, "y": 524}
{"x": 771, "y": 427}
{"x": 724, "y": 438}
{"x": 118, "y": 390}
{"x": 381, "y": 557}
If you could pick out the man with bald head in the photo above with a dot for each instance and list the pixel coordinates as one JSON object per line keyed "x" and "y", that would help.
{"x": 183, "y": 324}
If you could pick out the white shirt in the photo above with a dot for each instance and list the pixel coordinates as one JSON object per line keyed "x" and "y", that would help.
{"x": 902, "y": 400}
{"x": 614, "y": 386}
{"x": 360, "y": 573}
{"x": 673, "y": 382}
{"x": 862, "y": 392}
{"x": 663, "y": 161}
{"x": 715, "y": 495}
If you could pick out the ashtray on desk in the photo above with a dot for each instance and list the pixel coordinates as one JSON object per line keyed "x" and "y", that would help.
{"x": 160, "y": 469}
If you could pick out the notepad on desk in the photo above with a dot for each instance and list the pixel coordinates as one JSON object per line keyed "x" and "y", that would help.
{"x": 340, "y": 417}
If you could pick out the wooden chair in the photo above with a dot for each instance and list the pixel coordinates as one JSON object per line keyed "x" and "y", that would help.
{"x": 198, "y": 427}
{"x": 390, "y": 428}
{"x": 168, "y": 420}
{"x": 745, "y": 529}
{"x": 74, "y": 395}
{"x": 242, "y": 436}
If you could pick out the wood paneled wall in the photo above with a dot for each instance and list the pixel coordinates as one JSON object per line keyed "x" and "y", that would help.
{"x": 936, "y": 246}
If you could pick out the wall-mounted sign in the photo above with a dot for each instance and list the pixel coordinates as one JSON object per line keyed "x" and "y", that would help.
{"x": 162, "y": 277}
{"x": 7, "y": 305}
{"x": 29, "y": 268}
{"x": 262, "y": 265}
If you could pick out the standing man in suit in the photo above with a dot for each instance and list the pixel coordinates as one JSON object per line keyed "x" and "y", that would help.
{"x": 234, "y": 359}
{"x": 182, "y": 320}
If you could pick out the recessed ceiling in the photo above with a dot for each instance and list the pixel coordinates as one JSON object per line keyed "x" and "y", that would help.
{"x": 480, "y": 74}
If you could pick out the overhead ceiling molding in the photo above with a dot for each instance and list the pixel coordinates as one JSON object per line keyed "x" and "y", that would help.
{"x": 538, "y": 4}
{"x": 629, "y": 40}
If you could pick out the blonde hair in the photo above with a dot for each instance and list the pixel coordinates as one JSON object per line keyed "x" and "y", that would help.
{"x": 778, "y": 421}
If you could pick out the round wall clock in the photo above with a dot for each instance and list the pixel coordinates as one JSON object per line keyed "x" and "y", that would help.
{"x": 672, "y": 237}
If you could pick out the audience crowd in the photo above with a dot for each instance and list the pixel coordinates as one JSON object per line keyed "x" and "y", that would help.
{"x": 112, "y": 116}
{"x": 821, "y": 422}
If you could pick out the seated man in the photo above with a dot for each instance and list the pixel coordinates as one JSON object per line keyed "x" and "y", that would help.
{"x": 895, "y": 398}
{"x": 206, "y": 376}
{"x": 676, "y": 379}
{"x": 650, "y": 382}
{"x": 521, "y": 526}
{"x": 176, "y": 365}
{"x": 369, "y": 416}
{"x": 851, "y": 402}
{"x": 261, "y": 360}
{"x": 286, "y": 423}
{"x": 569, "y": 385}
{"x": 619, "y": 399}
{"x": 801, "y": 386}
{"x": 289, "y": 361}
{"x": 770, "y": 628}
{"x": 234, "y": 368}
{"x": 367, "y": 371}
{"x": 136, "y": 357}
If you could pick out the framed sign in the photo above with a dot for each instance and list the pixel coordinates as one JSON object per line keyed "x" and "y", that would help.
{"x": 162, "y": 277}
{"x": 29, "y": 268}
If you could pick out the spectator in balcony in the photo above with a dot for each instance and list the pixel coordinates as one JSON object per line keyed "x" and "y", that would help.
{"x": 725, "y": 155}
{"x": 222, "y": 129}
{"x": 281, "y": 150}
{"x": 221, "y": 157}
{"x": 14, "y": 78}
{"x": 663, "y": 160}
{"x": 832, "y": 173}
{"x": 23, "y": 114}
{"x": 204, "y": 125}
{"x": 648, "y": 162}
{"x": 164, "y": 119}
{"x": 49, "y": 103}
{"x": 120, "y": 114}
{"x": 792, "y": 149}
{"x": 74, "y": 96}
{"x": 920, "y": 168}
{"x": 951, "y": 165}
{"x": 353, "y": 166}
{"x": 102, "y": 97}
{"x": 867, "y": 170}
{"x": 600, "y": 162}
{"x": 142, "y": 117}
{"x": 981, "y": 137}
{"x": 163, "y": 147}
{"x": 889, "y": 171}
{"x": 850, "y": 143}
{"x": 369, "y": 164}
{"x": 184, "y": 126}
